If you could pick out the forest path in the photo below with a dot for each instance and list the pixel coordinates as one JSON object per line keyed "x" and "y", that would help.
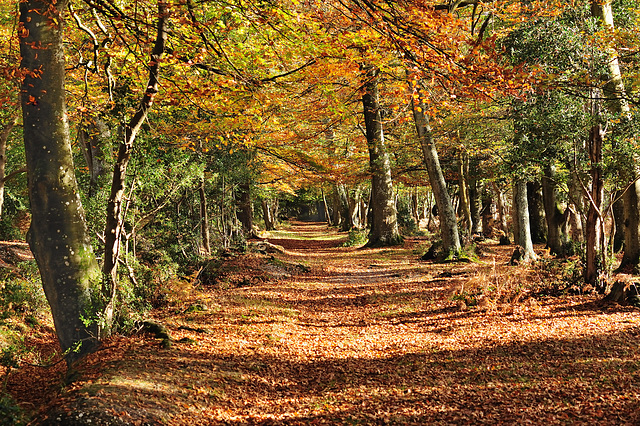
{"x": 367, "y": 336}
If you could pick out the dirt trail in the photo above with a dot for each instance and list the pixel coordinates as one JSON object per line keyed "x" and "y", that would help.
{"x": 367, "y": 336}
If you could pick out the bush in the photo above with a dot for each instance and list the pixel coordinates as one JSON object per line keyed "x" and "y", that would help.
{"x": 10, "y": 413}
{"x": 356, "y": 237}
{"x": 22, "y": 292}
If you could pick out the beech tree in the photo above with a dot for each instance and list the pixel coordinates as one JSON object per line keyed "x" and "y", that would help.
{"x": 384, "y": 224}
{"x": 58, "y": 234}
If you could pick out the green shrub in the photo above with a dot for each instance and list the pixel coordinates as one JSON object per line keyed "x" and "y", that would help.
{"x": 10, "y": 413}
{"x": 22, "y": 292}
{"x": 356, "y": 237}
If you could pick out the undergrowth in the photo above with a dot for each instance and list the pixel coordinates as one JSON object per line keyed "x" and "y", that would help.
{"x": 356, "y": 237}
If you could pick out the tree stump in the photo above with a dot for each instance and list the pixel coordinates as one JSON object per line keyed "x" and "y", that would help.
{"x": 625, "y": 293}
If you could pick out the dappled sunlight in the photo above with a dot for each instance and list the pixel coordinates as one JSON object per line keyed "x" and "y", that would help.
{"x": 385, "y": 341}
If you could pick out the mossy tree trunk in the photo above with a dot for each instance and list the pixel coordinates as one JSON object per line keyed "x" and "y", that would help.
{"x": 384, "y": 224}
{"x": 446, "y": 212}
{"x": 58, "y": 234}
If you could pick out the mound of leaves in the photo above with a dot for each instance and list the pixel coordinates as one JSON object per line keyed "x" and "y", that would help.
{"x": 233, "y": 270}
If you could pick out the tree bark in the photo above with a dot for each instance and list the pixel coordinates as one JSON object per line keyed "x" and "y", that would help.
{"x": 4, "y": 137}
{"x": 523, "y": 238}
{"x": 245, "y": 209}
{"x": 268, "y": 214}
{"x": 384, "y": 224}
{"x": 631, "y": 255}
{"x": 475, "y": 205}
{"x": 465, "y": 204}
{"x": 500, "y": 210}
{"x": 536, "y": 213}
{"x": 618, "y": 221}
{"x": 115, "y": 221}
{"x": 448, "y": 221}
{"x": 58, "y": 235}
{"x": 616, "y": 102}
{"x": 594, "y": 261}
{"x": 556, "y": 237}
{"x": 92, "y": 139}
{"x": 204, "y": 218}
{"x": 327, "y": 214}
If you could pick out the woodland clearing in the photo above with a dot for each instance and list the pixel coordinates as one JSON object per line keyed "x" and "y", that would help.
{"x": 323, "y": 334}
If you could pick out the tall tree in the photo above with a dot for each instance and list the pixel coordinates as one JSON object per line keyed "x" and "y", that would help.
{"x": 58, "y": 234}
{"x": 521, "y": 213}
{"x": 448, "y": 220}
{"x": 384, "y": 223}
{"x": 617, "y": 103}
{"x": 115, "y": 221}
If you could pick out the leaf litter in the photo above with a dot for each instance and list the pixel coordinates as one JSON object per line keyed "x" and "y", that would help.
{"x": 363, "y": 336}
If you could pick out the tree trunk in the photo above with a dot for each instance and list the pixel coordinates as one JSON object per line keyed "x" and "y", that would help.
{"x": 594, "y": 261}
{"x": 488, "y": 215}
{"x": 465, "y": 204}
{"x": 415, "y": 210}
{"x": 268, "y": 215}
{"x": 4, "y": 136}
{"x": 523, "y": 238}
{"x": 448, "y": 221}
{"x": 536, "y": 213}
{"x": 245, "y": 209}
{"x": 204, "y": 218}
{"x": 500, "y": 209}
{"x": 384, "y": 224}
{"x": 327, "y": 214}
{"x": 631, "y": 256}
{"x": 556, "y": 237}
{"x": 115, "y": 221}
{"x": 58, "y": 235}
{"x": 343, "y": 202}
{"x": 93, "y": 138}
{"x": 618, "y": 222}
{"x": 615, "y": 94}
{"x": 337, "y": 207}
{"x": 475, "y": 205}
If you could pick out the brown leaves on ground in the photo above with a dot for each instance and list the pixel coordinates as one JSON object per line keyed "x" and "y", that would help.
{"x": 369, "y": 336}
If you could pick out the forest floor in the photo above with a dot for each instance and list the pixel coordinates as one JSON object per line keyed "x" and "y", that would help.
{"x": 321, "y": 334}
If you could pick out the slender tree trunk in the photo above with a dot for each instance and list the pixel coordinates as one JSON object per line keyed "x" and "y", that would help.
{"x": 556, "y": 237}
{"x": 594, "y": 261}
{"x": 327, "y": 214}
{"x": 58, "y": 235}
{"x": 115, "y": 221}
{"x": 204, "y": 218}
{"x": 4, "y": 137}
{"x": 465, "y": 203}
{"x": 269, "y": 214}
{"x": 523, "y": 238}
{"x": 93, "y": 138}
{"x": 415, "y": 209}
{"x": 618, "y": 222}
{"x": 448, "y": 221}
{"x": 384, "y": 226}
{"x": 337, "y": 207}
{"x": 475, "y": 205}
{"x": 345, "y": 215}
